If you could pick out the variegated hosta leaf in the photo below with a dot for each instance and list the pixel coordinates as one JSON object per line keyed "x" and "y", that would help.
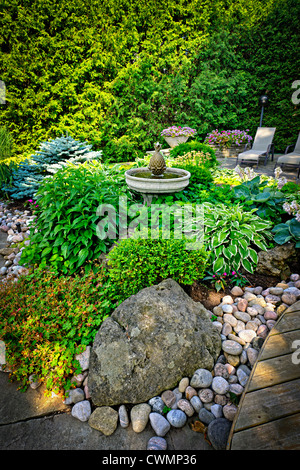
{"x": 244, "y": 252}
{"x": 247, "y": 265}
{"x": 232, "y": 248}
{"x": 253, "y": 256}
{"x": 218, "y": 264}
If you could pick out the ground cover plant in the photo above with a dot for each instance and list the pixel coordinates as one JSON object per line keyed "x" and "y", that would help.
{"x": 46, "y": 319}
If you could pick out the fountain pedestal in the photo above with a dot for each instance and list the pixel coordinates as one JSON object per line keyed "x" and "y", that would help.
{"x": 157, "y": 179}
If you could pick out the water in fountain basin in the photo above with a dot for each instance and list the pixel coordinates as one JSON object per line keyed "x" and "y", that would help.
{"x": 164, "y": 176}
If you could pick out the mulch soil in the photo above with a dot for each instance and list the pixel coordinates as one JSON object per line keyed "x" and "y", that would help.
{"x": 210, "y": 298}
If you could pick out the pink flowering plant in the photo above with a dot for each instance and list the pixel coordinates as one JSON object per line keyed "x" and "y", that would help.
{"x": 221, "y": 280}
{"x": 178, "y": 131}
{"x": 33, "y": 205}
{"x": 228, "y": 138}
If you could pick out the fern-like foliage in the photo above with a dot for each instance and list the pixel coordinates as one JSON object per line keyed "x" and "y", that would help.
{"x": 52, "y": 156}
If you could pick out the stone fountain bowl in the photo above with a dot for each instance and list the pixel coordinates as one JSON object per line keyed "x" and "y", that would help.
{"x": 157, "y": 185}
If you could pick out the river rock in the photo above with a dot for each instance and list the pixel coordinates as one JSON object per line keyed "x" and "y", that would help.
{"x": 169, "y": 398}
{"x": 196, "y": 403}
{"x": 206, "y": 416}
{"x": 242, "y": 305}
{"x": 218, "y": 432}
{"x": 159, "y": 424}
{"x": 185, "y": 406}
{"x": 206, "y": 395}
{"x": 104, "y": 419}
{"x": 139, "y": 415}
{"x": 157, "y": 443}
{"x": 173, "y": 337}
{"x": 288, "y": 299}
{"x": 220, "y": 385}
{"x": 123, "y": 416}
{"x": 202, "y": 378}
{"x": 183, "y": 384}
{"x": 247, "y": 335}
{"x": 157, "y": 404}
{"x": 82, "y": 410}
{"x": 177, "y": 418}
{"x": 229, "y": 411}
{"x": 232, "y": 347}
{"x": 237, "y": 291}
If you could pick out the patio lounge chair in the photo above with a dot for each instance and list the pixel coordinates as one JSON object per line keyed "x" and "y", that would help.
{"x": 261, "y": 148}
{"x": 291, "y": 159}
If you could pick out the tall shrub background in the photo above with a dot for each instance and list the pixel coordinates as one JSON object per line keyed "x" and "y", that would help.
{"x": 117, "y": 72}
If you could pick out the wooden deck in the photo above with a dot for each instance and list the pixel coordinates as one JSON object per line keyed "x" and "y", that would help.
{"x": 269, "y": 411}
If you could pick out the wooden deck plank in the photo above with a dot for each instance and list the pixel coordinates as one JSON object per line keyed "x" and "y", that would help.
{"x": 286, "y": 323}
{"x": 273, "y": 371}
{"x": 280, "y": 344}
{"x": 269, "y": 411}
{"x": 268, "y": 404}
{"x": 281, "y": 434}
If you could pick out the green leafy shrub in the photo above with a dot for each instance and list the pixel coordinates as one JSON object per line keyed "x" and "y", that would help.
{"x": 52, "y": 156}
{"x": 199, "y": 175}
{"x": 6, "y": 143}
{"x": 187, "y": 149}
{"x": 65, "y": 228}
{"x": 138, "y": 263}
{"x": 233, "y": 235}
{"x": 289, "y": 231}
{"x": 46, "y": 319}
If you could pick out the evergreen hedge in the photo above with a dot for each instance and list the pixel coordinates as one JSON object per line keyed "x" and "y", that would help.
{"x": 116, "y": 73}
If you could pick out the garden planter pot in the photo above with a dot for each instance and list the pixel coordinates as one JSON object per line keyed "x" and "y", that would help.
{"x": 173, "y": 141}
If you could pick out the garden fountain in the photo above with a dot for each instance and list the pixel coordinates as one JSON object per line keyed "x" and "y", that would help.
{"x": 157, "y": 179}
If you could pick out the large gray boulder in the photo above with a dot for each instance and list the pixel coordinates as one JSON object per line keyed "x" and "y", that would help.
{"x": 274, "y": 262}
{"x": 151, "y": 341}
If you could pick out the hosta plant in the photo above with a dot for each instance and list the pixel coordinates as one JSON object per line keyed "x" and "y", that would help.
{"x": 290, "y": 231}
{"x": 233, "y": 237}
{"x": 64, "y": 234}
{"x": 255, "y": 193}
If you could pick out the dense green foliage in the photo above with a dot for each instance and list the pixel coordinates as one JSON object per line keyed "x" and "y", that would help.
{"x": 138, "y": 263}
{"x": 66, "y": 224}
{"x": 188, "y": 149}
{"x": 50, "y": 315}
{"x": 117, "y": 72}
{"x": 5, "y": 143}
{"x": 233, "y": 236}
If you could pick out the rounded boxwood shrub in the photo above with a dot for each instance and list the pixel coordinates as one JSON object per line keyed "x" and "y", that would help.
{"x": 138, "y": 263}
{"x": 194, "y": 145}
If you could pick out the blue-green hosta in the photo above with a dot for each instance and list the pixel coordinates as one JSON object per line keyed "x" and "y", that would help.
{"x": 233, "y": 236}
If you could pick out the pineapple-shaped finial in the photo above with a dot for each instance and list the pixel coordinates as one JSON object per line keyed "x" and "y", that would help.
{"x": 157, "y": 162}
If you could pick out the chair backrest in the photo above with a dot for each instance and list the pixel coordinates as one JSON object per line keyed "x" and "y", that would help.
{"x": 263, "y": 137}
{"x": 297, "y": 146}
